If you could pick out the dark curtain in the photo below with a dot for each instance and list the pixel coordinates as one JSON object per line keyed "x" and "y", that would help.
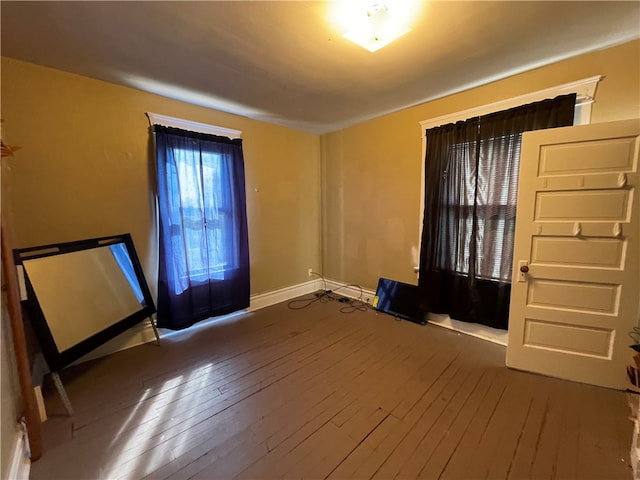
{"x": 204, "y": 254}
{"x": 471, "y": 184}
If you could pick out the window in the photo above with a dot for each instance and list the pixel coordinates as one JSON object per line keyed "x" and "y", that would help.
{"x": 495, "y": 211}
{"x": 203, "y": 242}
{"x": 584, "y": 89}
{"x": 203, "y": 224}
{"x": 471, "y": 183}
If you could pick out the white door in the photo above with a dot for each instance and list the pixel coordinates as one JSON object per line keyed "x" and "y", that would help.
{"x": 577, "y": 234}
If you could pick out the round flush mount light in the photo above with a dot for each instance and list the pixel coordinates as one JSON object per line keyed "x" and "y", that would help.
{"x": 374, "y": 25}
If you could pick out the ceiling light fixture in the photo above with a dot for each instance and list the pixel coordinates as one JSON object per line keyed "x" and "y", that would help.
{"x": 377, "y": 28}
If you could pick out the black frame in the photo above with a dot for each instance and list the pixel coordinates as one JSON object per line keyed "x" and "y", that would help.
{"x": 400, "y": 300}
{"x": 56, "y": 359}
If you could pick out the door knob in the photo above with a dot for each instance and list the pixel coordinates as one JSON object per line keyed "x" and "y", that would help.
{"x": 523, "y": 267}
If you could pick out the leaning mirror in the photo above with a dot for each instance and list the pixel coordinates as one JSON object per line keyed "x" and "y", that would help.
{"x": 82, "y": 294}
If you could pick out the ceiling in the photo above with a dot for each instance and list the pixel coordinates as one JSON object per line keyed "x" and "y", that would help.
{"x": 285, "y": 62}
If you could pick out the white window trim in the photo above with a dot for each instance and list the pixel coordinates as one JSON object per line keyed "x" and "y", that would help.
{"x": 157, "y": 119}
{"x": 584, "y": 89}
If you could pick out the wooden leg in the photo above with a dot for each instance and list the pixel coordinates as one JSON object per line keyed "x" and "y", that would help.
{"x": 155, "y": 330}
{"x": 62, "y": 392}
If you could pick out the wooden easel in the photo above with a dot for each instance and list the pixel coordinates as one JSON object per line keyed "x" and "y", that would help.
{"x": 31, "y": 414}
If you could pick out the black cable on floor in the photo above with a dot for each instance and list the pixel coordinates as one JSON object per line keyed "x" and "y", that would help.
{"x": 322, "y": 297}
{"x": 325, "y": 296}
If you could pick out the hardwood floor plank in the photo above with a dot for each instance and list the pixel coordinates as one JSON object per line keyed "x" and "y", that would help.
{"x": 367, "y": 420}
{"x": 614, "y": 434}
{"x": 457, "y": 463}
{"x": 548, "y": 442}
{"x": 504, "y": 427}
{"x": 325, "y": 449}
{"x": 347, "y": 467}
{"x": 210, "y": 410}
{"x": 439, "y": 447}
{"x": 206, "y": 426}
{"x": 512, "y": 434}
{"x": 315, "y": 393}
{"x": 589, "y": 438}
{"x": 522, "y": 461}
{"x": 297, "y": 431}
{"x": 567, "y": 453}
{"x": 231, "y": 463}
{"x": 191, "y": 461}
{"x": 429, "y": 407}
{"x": 438, "y": 426}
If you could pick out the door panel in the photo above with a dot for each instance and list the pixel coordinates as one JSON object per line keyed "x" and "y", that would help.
{"x": 568, "y": 338}
{"x": 577, "y": 231}
{"x": 598, "y": 298}
{"x": 607, "y": 205}
{"x": 608, "y": 155}
{"x": 605, "y": 253}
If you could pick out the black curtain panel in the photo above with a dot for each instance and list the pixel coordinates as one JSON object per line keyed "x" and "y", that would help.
{"x": 203, "y": 252}
{"x": 471, "y": 184}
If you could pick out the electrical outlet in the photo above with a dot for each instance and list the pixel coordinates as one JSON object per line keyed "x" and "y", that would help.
{"x": 310, "y": 272}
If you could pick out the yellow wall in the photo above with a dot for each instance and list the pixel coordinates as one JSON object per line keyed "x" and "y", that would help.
{"x": 84, "y": 170}
{"x": 371, "y": 172}
{"x": 10, "y": 397}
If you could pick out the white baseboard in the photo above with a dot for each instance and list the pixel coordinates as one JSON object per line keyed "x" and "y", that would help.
{"x": 351, "y": 291}
{"x": 474, "y": 329}
{"x": 256, "y": 302}
{"x": 266, "y": 299}
{"x": 20, "y": 466}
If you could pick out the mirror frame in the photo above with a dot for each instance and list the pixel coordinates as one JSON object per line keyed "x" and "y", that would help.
{"x": 59, "y": 359}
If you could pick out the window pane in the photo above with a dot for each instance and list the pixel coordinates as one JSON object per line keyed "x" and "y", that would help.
{"x": 494, "y": 203}
{"x": 202, "y": 201}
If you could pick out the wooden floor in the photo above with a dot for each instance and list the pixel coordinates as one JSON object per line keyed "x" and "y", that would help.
{"x": 315, "y": 393}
